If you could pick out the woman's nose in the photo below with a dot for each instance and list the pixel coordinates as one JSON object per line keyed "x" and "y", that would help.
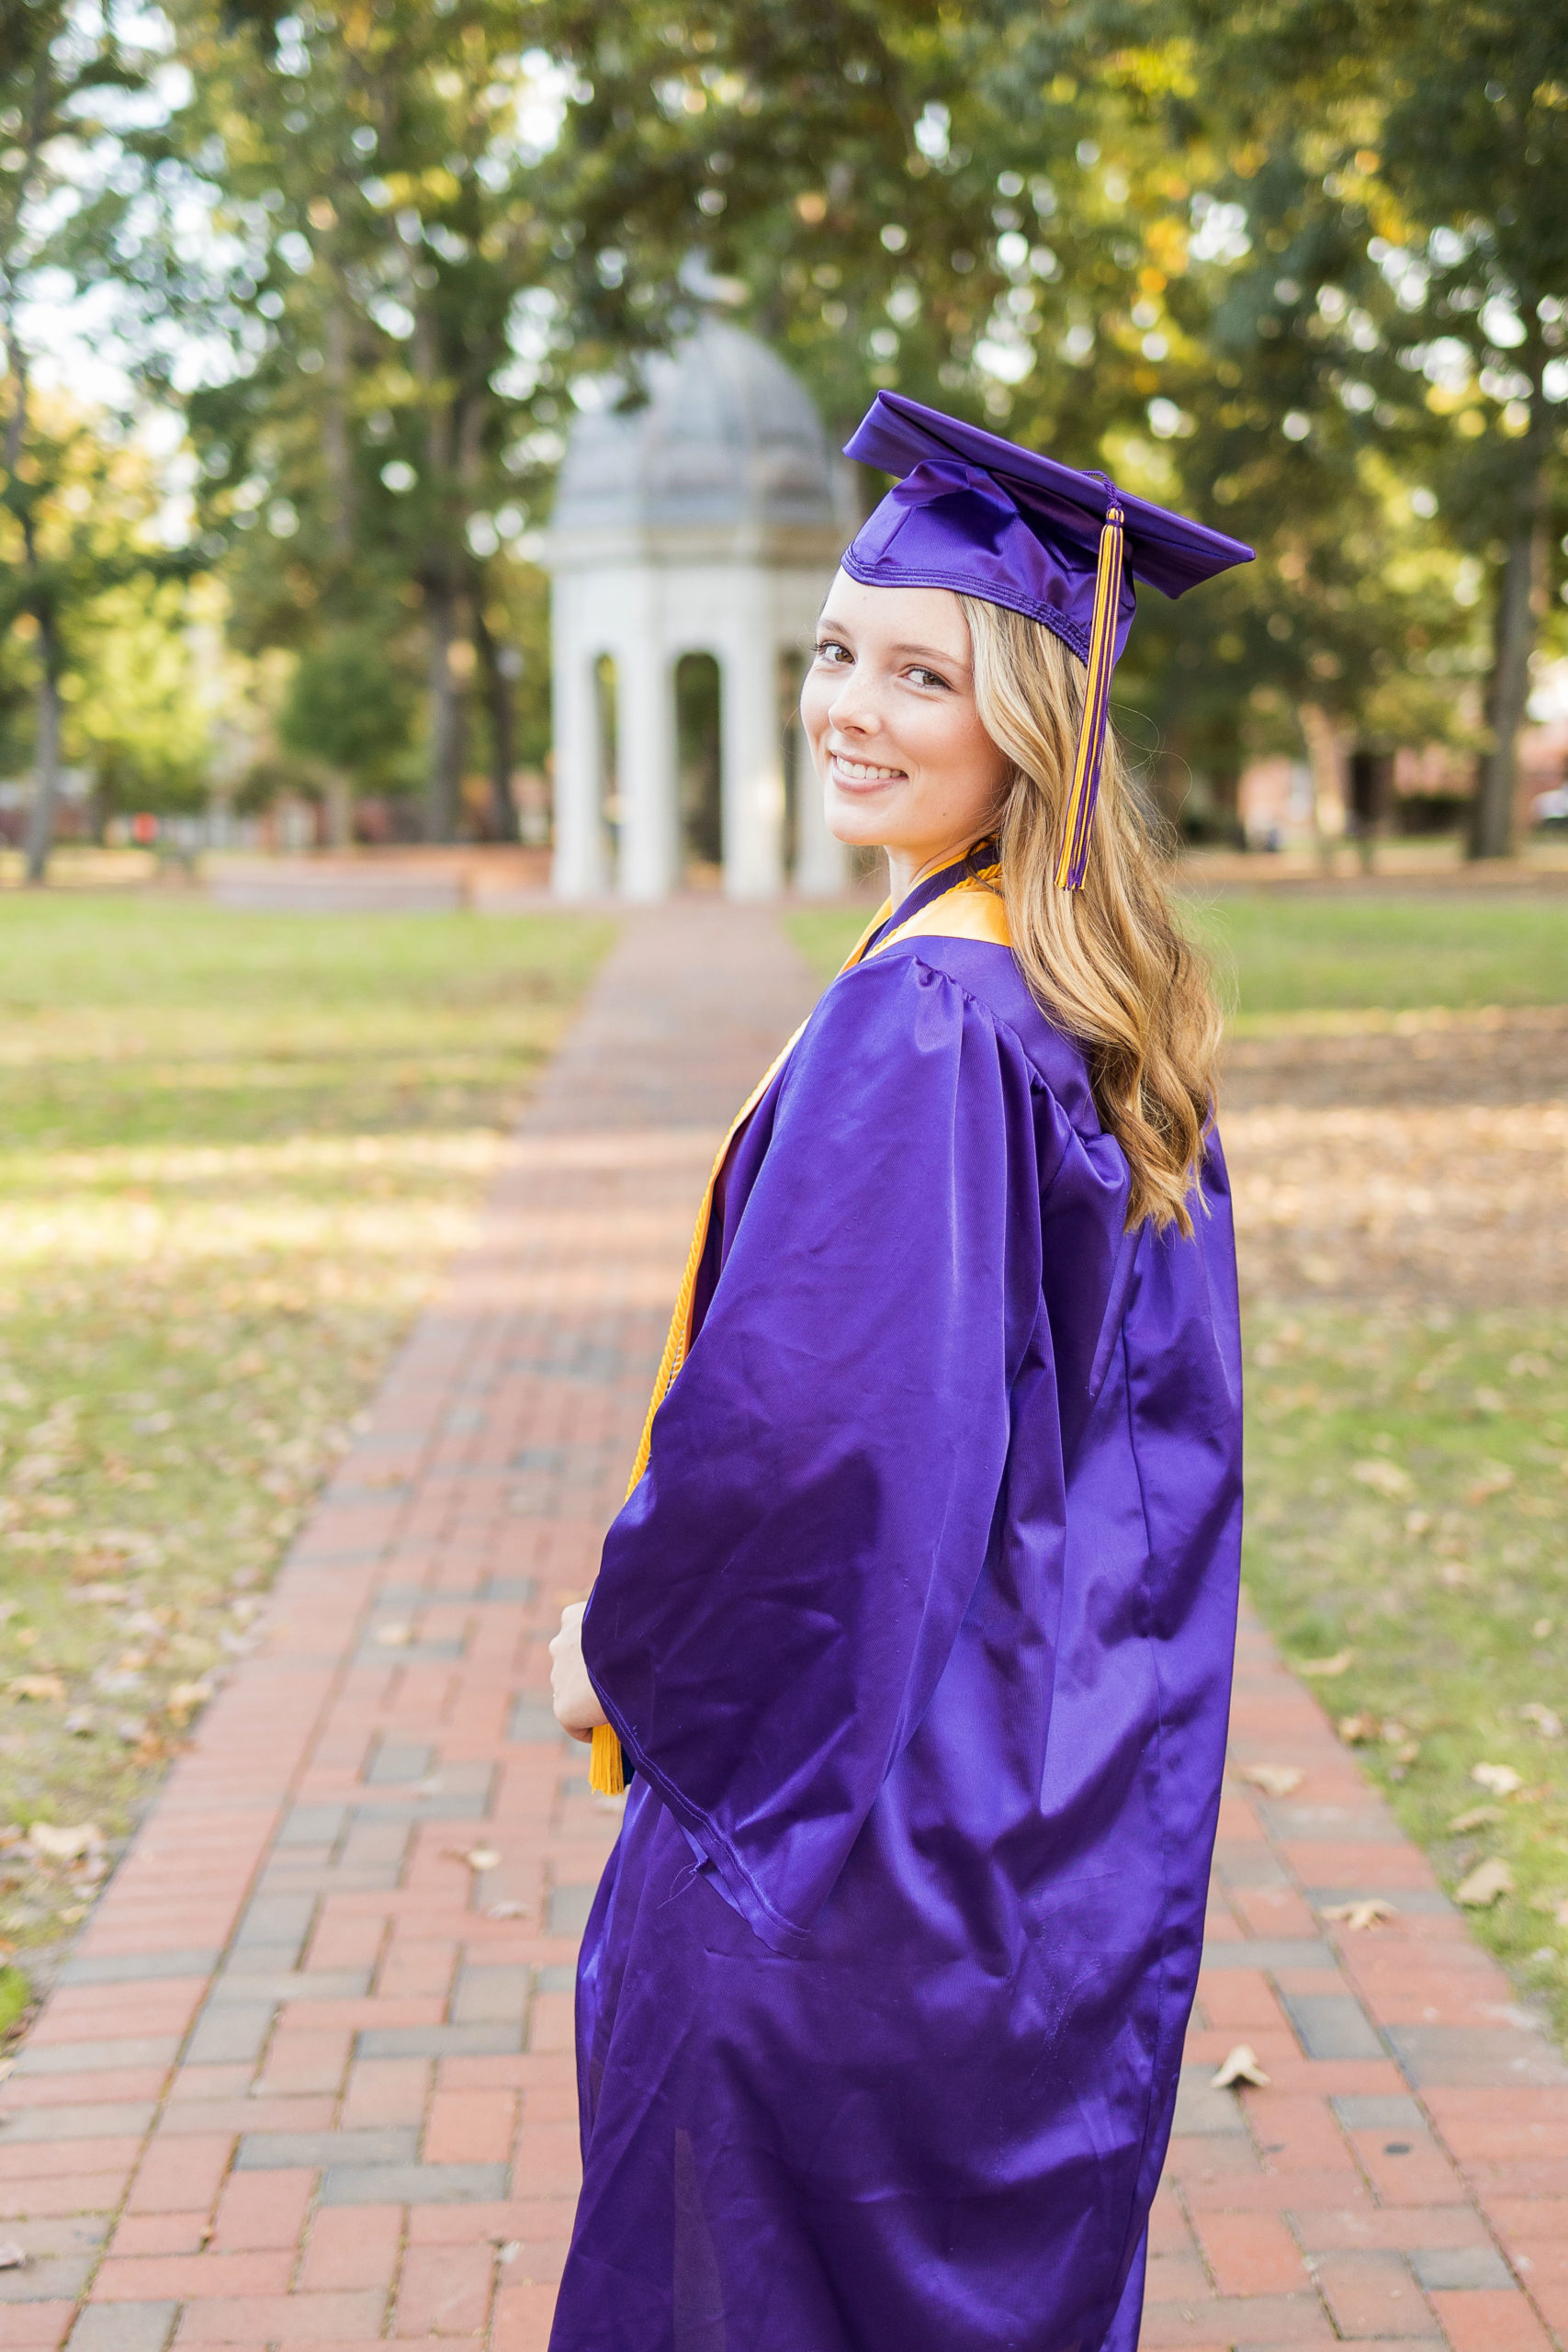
{"x": 853, "y": 709}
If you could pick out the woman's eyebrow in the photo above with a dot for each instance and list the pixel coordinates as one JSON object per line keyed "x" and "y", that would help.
{"x": 921, "y": 653}
{"x": 932, "y": 653}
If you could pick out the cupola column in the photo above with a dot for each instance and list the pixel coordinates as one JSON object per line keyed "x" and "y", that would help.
{"x": 821, "y": 861}
{"x": 580, "y": 870}
{"x": 649, "y": 855}
{"x": 753, "y": 744}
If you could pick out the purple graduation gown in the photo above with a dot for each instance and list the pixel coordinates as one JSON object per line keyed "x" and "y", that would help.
{"x": 918, "y": 1631}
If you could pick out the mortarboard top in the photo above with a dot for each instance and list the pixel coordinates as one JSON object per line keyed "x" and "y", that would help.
{"x": 982, "y": 516}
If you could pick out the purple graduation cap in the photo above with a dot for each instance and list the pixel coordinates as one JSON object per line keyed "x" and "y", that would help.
{"x": 980, "y": 515}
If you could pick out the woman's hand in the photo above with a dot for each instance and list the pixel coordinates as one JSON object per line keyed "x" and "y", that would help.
{"x": 575, "y": 1701}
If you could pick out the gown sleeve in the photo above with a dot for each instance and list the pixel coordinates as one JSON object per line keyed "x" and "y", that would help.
{"x": 780, "y": 1595}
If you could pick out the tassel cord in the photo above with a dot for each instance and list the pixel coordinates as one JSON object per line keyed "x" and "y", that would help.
{"x": 1073, "y": 860}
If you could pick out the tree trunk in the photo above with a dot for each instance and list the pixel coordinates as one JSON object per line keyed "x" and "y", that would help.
{"x": 1327, "y": 779}
{"x": 498, "y": 677}
{"x": 46, "y": 769}
{"x": 444, "y": 775}
{"x": 1518, "y": 622}
{"x": 338, "y": 799}
{"x": 1372, "y": 774}
{"x": 39, "y": 837}
{"x": 1224, "y": 801}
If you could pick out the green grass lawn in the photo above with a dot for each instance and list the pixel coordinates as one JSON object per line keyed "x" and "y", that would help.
{"x": 1278, "y": 952}
{"x": 234, "y": 1150}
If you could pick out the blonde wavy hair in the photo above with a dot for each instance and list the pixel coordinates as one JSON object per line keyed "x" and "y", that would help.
{"x": 1106, "y": 963}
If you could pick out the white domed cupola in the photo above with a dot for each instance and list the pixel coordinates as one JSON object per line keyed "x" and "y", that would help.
{"x": 692, "y": 542}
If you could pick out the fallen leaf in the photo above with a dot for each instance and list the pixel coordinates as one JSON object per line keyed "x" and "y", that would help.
{"x": 1384, "y": 1478}
{"x": 184, "y": 1700}
{"x": 72, "y": 1913}
{"x": 1368, "y": 1912}
{"x": 1355, "y": 1729}
{"x": 509, "y": 2251}
{"x": 1485, "y": 1885}
{"x": 394, "y": 1637}
{"x": 1491, "y": 1400}
{"x": 1274, "y": 1780}
{"x": 1477, "y": 1817}
{"x": 36, "y": 1686}
{"x": 507, "y": 1911}
{"x": 1501, "y": 1779}
{"x": 1542, "y": 1630}
{"x": 61, "y": 1845}
{"x": 1322, "y": 1669}
{"x": 478, "y": 1858}
{"x": 1496, "y": 1479}
{"x": 80, "y": 1722}
{"x": 13, "y": 2257}
{"x": 1240, "y": 2066}
{"x": 1547, "y": 1721}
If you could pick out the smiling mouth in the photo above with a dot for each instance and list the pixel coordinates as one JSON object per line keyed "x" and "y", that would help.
{"x": 864, "y": 771}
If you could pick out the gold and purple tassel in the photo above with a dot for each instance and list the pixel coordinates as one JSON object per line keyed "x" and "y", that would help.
{"x": 1073, "y": 862}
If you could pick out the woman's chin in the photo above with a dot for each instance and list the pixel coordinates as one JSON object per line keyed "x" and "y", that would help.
{"x": 859, "y": 824}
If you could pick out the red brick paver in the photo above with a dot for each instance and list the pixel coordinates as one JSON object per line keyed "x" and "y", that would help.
{"x": 308, "y": 2079}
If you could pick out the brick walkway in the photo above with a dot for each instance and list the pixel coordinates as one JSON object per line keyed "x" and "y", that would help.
{"x": 307, "y": 2078}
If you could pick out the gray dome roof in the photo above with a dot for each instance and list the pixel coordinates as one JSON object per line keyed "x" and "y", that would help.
{"x": 727, "y": 436}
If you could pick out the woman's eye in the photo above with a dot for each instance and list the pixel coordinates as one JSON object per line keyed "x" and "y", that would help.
{"x": 829, "y": 650}
{"x": 923, "y": 677}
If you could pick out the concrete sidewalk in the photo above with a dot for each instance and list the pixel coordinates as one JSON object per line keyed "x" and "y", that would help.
{"x": 307, "y": 2078}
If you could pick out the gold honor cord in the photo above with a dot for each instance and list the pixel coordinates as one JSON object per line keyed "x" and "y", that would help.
{"x": 985, "y": 919}
{"x": 1072, "y": 861}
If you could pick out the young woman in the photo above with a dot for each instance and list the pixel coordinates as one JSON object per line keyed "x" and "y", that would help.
{"x": 916, "y": 1630}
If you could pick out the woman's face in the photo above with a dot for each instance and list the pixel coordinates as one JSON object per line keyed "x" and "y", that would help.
{"x": 888, "y": 708}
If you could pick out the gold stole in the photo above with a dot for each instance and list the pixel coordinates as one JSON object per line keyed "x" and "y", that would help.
{"x": 970, "y": 909}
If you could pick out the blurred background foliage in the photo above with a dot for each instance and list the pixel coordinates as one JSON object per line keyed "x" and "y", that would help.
{"x": 1298, "y": 265}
